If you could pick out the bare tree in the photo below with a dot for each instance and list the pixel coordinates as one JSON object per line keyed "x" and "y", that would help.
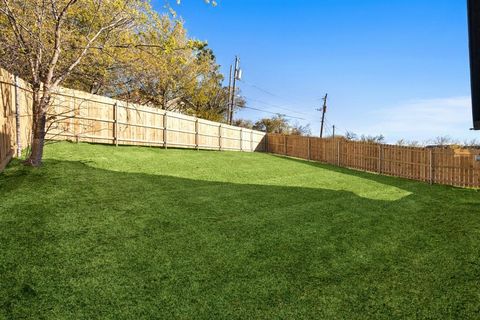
{"x": 443, "y": 141}
{"x": 299, "y": 130}
{"x": 45, "y": 40}
{"x": 408, "y": 143}
{"x": 351, "y": 136}
{"x": 474, "y": 143}
{"x": 373, "y": 139}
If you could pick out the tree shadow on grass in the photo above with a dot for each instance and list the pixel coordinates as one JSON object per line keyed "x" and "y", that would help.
{"x": 82, "y": 242}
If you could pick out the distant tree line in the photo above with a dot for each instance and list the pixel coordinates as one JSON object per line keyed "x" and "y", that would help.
{"x": 351, "y": 136}
{"x": 276, "y": 124}
{"x": 440, "y": 141}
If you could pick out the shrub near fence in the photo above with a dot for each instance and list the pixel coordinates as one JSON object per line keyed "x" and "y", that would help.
{"x": 456, "y": 167}
{"x": 80, "y": 116}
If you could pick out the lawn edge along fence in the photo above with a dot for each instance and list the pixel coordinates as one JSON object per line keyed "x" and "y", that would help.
{"x": 437, "y": 165}
{"x": 83, "y": 117}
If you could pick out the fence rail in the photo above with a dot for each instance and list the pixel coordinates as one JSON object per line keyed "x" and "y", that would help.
{"x": 83, "y": 117}
{"x": 456, "y": 167}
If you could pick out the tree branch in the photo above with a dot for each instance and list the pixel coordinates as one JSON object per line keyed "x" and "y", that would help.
{"x": 23, "y": 44}
{"x": 58, "y": 37}
{"x": 87, "y": 47}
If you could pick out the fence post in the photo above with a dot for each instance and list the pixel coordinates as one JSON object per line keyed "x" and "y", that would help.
{"x": 334, "y": 153}
{"x": 115, "y": 124}
{"x": 380, "y": 158}
{"x": 309, "y": 147}
{"x": 220, "y": 137}
{"x": 265, "y": 142}
{"x": 17, "y": 121}
{"x": 324, "y": 152}
{"x": 76, "y": 111}
{"x": 251, "y": 140}
{"x": 338, "y": 153}
{"x": 241, "y": 139}
{"x": 196, "y": 134}
{"x": 431, "y": 167}
{"x": 165, "y": 124}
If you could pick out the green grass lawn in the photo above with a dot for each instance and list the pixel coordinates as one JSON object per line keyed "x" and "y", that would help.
{"x": 136, "y": 233}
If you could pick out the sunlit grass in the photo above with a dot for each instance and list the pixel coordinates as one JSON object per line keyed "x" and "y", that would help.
{"x": 131, "y": 233}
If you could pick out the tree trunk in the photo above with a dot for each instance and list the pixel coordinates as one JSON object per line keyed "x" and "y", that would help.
{"x": 38, "y": 141}
{"x": 38, "y": 128}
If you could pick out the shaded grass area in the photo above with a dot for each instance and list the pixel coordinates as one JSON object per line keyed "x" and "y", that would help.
{"x": 136, "y": 233}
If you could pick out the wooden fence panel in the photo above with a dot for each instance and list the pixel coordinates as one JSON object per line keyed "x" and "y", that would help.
{"x": 7, "y": 119}
{"x": 276, "y": 144}
{"x": 297, "y": 147}
{"x": 231, "y": 138}
{"x": 457, "y": 167}
{"x": 92, "y": 118}
{"x": 24, "y": 98}
{"x": 80, "y": 116}
{"x": 259, "y": 142}
{"x": 208, "y": 135}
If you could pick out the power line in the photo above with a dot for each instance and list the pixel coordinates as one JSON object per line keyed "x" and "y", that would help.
{"x": 263, "y": 90}
{"x": 276, "y": 106}
{"x": 341, "y": 129}
{"x": 289, "y": 101}
{"x": 327, "y": 122}
{"x": 275, "y": 113}
{"x": 271, "y": 104}
{"x": 327, "y": 131}
{"x": 329, "y": 127}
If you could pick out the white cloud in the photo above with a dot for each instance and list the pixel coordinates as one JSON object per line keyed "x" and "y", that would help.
{"x": 423, "y": 119}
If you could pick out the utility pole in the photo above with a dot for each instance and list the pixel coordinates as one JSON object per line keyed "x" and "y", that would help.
{"x": 236, "y": 76}
{"x": 333, "y": 131}
{"x": 229, "y": 95}
{"x": 323, "y": 110}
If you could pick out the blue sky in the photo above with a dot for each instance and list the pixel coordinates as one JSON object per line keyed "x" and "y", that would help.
{"x": 398, "y": 68}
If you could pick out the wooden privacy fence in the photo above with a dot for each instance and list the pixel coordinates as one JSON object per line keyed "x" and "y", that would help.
{"x": 12, "y": 134}
{"x": 7, "y": 124}
{"x": 80, "y": 116}
{"x": 456, "y": 167}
